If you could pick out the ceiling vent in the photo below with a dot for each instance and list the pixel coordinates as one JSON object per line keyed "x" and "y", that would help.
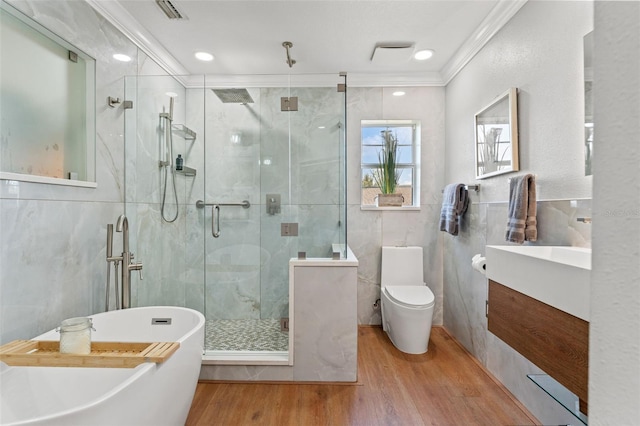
{"x": 391, "y": 52}
{"x": 169, "y": 9}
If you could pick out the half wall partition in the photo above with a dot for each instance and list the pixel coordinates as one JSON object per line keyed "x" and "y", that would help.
{"x": 263, "y": 180}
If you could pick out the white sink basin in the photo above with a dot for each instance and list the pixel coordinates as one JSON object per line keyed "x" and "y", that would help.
{"x": 558, "y": 276}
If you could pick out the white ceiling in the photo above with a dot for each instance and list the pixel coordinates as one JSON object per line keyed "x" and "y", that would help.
{"x": 328, "y": 36}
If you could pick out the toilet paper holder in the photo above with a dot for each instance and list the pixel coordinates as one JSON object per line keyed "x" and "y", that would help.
{"x": 479, "y": 263}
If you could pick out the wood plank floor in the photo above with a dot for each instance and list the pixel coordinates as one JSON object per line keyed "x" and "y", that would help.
{"x": 445, "y": 386}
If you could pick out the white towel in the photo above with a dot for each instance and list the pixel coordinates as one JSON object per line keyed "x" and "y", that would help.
{"x": 454, "y": 203}
{"x": 522, "y": 224}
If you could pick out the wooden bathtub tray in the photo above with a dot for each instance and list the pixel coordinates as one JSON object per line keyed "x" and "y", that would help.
{"x": 44, "y": 353}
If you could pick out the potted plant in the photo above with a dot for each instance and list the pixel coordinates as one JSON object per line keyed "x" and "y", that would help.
{"x": 386, "y": 176}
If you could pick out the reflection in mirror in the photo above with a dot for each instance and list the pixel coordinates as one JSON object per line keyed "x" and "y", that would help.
{"x": 496, "y": 133}
{"x": 47, "y": 105}
{"x": 588, "y": 103}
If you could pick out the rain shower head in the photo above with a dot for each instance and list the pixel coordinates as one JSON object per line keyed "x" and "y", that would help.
{"x": 233, "y": 96}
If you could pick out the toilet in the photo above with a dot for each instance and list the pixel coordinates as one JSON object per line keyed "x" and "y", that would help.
{"x": 407, "y": 302}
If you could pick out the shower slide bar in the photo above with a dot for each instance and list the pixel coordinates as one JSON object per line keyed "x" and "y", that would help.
{"x": 215, "y": 208}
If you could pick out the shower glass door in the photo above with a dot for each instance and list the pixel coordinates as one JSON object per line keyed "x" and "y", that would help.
{"x": 288, "y": 163}
{"x": 265, "y": 177}
{"x": 234, "y": 258}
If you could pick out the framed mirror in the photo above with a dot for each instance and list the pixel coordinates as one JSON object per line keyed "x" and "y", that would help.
{"x": 496, "y": 135}
{"x": 47, "y": 105}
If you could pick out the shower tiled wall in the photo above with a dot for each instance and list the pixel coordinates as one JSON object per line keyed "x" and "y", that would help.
{"x": 160, "y": 245}
{"x": 253, "y": 150}
{"x": 369, "y": 230}
{"x": 249, "y": 151}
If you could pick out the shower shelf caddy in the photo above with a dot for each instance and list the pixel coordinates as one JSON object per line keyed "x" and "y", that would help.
{"x": 184, "y": 132}
{"x": 189, "y": 135}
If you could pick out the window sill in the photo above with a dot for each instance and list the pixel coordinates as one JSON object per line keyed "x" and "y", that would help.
{"x": 397, "y": 209}
{"x": 47, "y": 180}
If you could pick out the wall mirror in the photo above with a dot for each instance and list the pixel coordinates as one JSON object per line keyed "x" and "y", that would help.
{"x": 588, "y": 102}
{"x": 496, "y": 134}
{"x": 47, "y": 105}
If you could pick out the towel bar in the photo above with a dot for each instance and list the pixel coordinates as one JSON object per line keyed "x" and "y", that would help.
{"x": 469, "y": 187}
{"x": 534, "y": 176}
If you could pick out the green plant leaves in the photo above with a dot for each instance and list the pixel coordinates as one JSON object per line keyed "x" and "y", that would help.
{"x": 386, "y": 176}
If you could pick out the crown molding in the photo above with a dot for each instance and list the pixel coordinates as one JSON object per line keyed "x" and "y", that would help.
{"x": 417, "y": 79}
{"x": 310, "y": 80}
{"x": 199, "y": 81}
{"x": 118, "y": 16}
{"x": 504, "y": 10}
{"x": 495, "y": 20}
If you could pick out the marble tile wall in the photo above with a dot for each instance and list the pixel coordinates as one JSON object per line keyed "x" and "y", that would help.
{"x": 277, "y": 153}
{"x": 173, "y": 268}
{"x": 250, "y": 151}
{"x": 159, "y": 244}
{"x": 369, "y": 230}
{"x": 326, "y": 325}
{"x": 52, "y": 238}
{"x": 234, "y": 261}
{"x": 325, "y": 328}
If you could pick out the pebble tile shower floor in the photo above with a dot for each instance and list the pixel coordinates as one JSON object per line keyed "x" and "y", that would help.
{"x": 245, "y": 335}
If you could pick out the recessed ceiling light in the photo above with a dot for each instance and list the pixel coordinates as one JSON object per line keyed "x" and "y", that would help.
{"x": 398, "y": 93}
{"x": 121, "y": 57}
{"x": 422, "y": 55}
{"x": 204, "y": 56}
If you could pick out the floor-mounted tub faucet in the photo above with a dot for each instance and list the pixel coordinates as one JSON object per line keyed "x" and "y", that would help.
{"x": 116, "y": 262}
{"x": 127, "y": 265}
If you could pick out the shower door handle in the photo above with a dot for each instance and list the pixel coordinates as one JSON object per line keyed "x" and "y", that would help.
{"x": 215, "y": 208}
{"x": 215, "y": 224}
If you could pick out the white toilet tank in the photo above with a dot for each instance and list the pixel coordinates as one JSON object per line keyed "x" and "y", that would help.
{"x": 407, "y": 302}
{"x": 401, "y": 266}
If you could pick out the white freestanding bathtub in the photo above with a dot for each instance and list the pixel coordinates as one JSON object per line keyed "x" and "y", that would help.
{"x": 149, "y": 394}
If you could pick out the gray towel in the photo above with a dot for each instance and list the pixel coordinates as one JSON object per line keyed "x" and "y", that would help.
{"x": 454, "y": 203}
{"x": 522, "y": 222}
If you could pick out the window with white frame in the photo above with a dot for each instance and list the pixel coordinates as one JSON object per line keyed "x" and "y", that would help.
{"x": 407, "y": 160}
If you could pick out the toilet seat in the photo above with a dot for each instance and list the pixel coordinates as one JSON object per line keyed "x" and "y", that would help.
{"x": 411, "y": 296}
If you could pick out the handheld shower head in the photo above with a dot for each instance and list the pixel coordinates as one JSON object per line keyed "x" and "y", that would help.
{"x": 110, "y": 240}
{"x": 171, "y": 108}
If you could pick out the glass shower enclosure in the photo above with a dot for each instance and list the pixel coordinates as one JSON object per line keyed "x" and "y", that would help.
{"x": 262, "y": 179}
